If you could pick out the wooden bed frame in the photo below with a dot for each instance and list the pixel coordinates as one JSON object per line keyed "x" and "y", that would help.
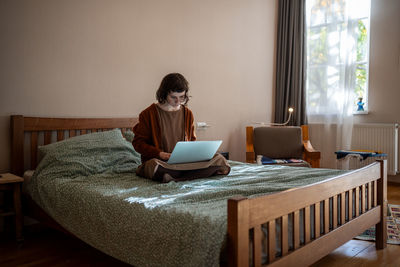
{"x": 247, "y": 216}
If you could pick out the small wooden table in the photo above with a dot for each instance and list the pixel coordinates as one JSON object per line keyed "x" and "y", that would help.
{"x": 11, "y": 182}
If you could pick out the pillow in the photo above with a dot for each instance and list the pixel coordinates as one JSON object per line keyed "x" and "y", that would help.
{"x": 89, "y": 154}
{"x": 129, "y": 135}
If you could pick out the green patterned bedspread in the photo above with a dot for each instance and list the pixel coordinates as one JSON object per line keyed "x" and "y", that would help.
{"x": 88, "y": 185}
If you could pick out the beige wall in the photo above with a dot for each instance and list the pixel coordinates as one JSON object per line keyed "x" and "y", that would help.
{"x": 105, "y": 58}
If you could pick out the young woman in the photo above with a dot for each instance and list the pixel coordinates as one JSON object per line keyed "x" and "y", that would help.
{"x": 161, "y": 126}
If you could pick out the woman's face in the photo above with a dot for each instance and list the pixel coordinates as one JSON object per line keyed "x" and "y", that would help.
{"x": 175, "y": 99}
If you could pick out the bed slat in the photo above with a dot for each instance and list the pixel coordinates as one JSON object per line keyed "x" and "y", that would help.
{"x": 271, "y": 241}
{"x": 350, "y": 204}
{"x": 363, "y": 195}
{"x": 34, "y": 147}
{"x": 317, "y": 219}
{"x": 326, "y": 216}
{"x": 334, "y": 212}
{"x": 343, "y": 208}
{"x": 284, "y": 235}
{"x": 357, "y": 199}
{"x": 369, "y": 196}
{"x": 47, "y": 137}
{"x": 307, "y": 225}
{"x": 257, "y": 233}
{"x": 375, "y": 193}
{"x": 72, "y": 133}
{"x": 296, "y": 229}
{"x": 60, "y": 135}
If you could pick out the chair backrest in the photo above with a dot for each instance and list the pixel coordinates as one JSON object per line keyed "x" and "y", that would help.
{"x": 278, "y": 142}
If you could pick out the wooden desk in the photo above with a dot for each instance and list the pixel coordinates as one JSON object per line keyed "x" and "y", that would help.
{"x": 11, "y": 182}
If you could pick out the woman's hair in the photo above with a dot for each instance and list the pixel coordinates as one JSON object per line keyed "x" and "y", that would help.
{"x": 173, "y": 82}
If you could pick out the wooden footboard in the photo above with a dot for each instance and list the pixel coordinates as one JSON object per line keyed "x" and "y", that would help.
{"x": 342, "y": 208}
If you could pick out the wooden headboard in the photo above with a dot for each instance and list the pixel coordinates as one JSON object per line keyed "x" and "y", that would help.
{"x": 41, "y": 130}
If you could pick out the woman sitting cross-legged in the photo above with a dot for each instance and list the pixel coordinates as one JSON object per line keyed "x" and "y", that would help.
{"x": 161, "y": 126}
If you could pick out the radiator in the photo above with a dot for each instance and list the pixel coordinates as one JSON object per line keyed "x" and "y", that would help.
{"x": 376, "y": 137}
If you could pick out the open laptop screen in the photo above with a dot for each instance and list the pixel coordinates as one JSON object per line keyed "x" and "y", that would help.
{"x": 193, "y": 151}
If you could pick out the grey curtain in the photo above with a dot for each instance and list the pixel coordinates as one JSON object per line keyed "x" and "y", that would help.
{"x": 291, "y": 62}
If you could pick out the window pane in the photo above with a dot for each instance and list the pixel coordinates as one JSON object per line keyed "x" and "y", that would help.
{"x": 322, "y": 94}
{"x": 361, "y": 80}
{"x": 326, "y": 11}
{"x": 362, "y": 41}
{"x": 317, "y": 49}
{"x": 316, "y": 88}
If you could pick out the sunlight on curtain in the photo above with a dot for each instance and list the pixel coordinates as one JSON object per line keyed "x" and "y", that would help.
{"x": 333, "y": 58}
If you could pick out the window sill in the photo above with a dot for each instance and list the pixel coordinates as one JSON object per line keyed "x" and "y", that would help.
{"x": 364, "y": 112}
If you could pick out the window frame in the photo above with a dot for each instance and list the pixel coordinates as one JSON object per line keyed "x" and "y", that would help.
{"x": 365, "y": 62}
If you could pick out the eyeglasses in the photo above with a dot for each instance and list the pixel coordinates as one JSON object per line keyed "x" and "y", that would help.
{"x": 180, "y": 98}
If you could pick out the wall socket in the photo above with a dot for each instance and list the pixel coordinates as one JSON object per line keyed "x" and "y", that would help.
{"x": 202, "y": 125}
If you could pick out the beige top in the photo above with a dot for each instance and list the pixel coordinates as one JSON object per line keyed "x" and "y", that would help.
{"x": 172, "y": 128}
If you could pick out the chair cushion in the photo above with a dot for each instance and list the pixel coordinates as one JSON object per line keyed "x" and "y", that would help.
{"x": 278, "y": 142}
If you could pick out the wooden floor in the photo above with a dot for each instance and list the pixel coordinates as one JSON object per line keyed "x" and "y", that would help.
{"x": 46, "y": 247}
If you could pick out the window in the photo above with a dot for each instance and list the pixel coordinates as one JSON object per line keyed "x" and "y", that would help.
{"x": 337, "y": 56}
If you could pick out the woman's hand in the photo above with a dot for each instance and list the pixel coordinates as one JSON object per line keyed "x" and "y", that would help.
{"x": 165, "y": 155}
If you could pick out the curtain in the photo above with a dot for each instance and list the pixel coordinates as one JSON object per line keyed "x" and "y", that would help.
{"x": 290, "y": 62}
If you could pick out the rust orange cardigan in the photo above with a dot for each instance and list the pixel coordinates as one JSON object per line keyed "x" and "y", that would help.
{"x": 147, "y": 140}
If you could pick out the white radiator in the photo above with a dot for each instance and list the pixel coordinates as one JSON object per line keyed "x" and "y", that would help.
{"x": 376, "y": 137}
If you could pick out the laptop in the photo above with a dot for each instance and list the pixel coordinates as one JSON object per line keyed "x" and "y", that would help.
{"x": 193, "y": 151}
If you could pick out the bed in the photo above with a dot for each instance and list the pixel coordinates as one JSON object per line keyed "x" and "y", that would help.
{"x": 257, "y": 228}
